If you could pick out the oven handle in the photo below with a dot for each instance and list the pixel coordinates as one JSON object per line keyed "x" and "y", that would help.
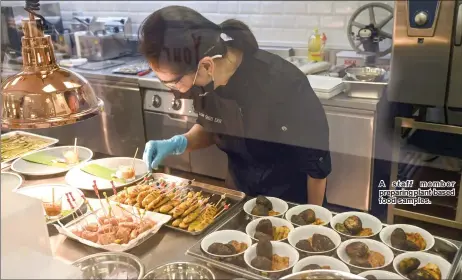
{"x": 173, "y": 118}
{"x": 458, "y": 35}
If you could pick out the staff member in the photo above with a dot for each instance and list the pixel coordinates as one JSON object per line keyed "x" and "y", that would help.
{"x": 255, "y": 106}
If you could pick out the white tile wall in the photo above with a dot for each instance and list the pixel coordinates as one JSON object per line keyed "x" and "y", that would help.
{"x": 284, "y": 23}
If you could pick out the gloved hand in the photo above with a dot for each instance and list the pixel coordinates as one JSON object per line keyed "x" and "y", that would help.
{"x": 156, "y": 151}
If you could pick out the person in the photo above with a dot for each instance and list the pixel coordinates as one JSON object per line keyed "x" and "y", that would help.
{"x": 255, "y": 106}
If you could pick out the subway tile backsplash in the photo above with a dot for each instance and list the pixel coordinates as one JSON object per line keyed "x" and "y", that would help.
{"x": 284, "y": 23}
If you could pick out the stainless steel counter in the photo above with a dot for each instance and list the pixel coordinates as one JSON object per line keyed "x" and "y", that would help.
{"x": 164, "y": 247}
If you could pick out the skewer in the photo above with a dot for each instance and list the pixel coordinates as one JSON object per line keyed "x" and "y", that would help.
{"x": 108, "y": 204}
{"x": 73, "y": 208}
{"x": 113, "y": 188}
{"x": 225, "y": 207}
{"x": 75, "y": 145}
{"x": 53, "y": 196}
{"x": 133, "y": 161}
{"x": 126, "y": 192}
{"x": 73, "y": 199}
{"x": 95, "y": 188}
{"x": 91, "y": 208}
{"x": 222, "y": 197}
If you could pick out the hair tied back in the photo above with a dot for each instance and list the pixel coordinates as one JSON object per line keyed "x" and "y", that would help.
{"x": 225, "y": 37}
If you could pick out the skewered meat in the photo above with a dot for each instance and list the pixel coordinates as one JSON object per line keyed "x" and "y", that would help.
{"x": 141, "y": 196}
{"x": 149, "y": 198}
{"x": 106, "y": 238}
{"x": 108, "y": 228}
{"x": 125, "y": 219}
{"x": 90, "y": 236}
{"x": 134, "y": 234}
{"x": 123, "y": 234}
{"x": 77, "y": 232}
{"x": 130, "y": 225}
{"x": 93, "y": 227}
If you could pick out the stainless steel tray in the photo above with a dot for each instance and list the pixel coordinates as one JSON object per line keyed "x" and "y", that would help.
{"x": 232, "y": 197}
{"x": 51, "y": 142}
{"x": 237, "y": 266}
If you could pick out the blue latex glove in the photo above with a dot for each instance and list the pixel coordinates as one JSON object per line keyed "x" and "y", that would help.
{"x": 156, "y": 151}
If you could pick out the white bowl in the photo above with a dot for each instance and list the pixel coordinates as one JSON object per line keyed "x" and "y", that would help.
{"x": 305, "y": 232}
{"x": 381, "y": 275}
{"x": 373, "y": 246}
{"x": 279, "y": 248}
{"x": 334, "y": 263}
{"x": 367, "y": 220}
{"x": 424, "y": 258}
{"x": 279, "y": 205}
{"x": 225, "y": 236}
{"x": 251, "y": 227}
{"x": 321, "y": 213}
{"x": 385, "y": 235}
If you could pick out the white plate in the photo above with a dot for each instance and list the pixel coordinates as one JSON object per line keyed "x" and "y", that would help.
{"x": 279, "y": 248}
{"x": 305, "y": 232}
{"x": 321, "y": 213}
{"x": 82, "y": 180}
{"x": 10, "y": 180}
{"x": 225, "y": 236}
{"x": 44, "y": 191}
{"x": 251, "y": 227}
{"x": 381, "y": 275}
{"x": 334, "y": 263}
{"x": 279, "y": 205}
{"x": 324, "y": 84}
{"x": 160, "y": 220}
{"x": 385, "y": 235}
{"x": 367, "y": 220}
{"x": 51, "y": 142}
{"x": 35, "y": 169}
{"x": 373, "y": 245}
{"x": 424, "y": 258}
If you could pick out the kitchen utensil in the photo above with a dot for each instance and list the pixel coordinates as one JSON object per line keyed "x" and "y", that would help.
{"x": 110, "y": 265}
{"x": 10, "y": 180}
{"x": 180, "y": 270}
{"x": 332, "y": 262}
{"x": 279, "y": 206}
{"x": 366, "y": 74}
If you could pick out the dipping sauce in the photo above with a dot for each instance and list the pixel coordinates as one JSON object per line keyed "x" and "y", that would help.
{"x": 51, "y": 209}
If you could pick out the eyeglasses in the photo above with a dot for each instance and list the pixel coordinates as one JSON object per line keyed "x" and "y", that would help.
{"x": 172, "y": 84}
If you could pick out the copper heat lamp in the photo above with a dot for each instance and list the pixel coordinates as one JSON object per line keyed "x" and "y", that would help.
{"x": 44, "y": 95}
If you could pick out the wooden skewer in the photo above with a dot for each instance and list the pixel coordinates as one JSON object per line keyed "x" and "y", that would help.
{"x": 226, "y": 207}
{"x": 222, "y": 197}
{"x": 75, "y": 145}
{"x": 53, "y": 196}
{"x": 108, "y": 204}
{"x": 133, "y": 161}
{"x": 95, "y": 188}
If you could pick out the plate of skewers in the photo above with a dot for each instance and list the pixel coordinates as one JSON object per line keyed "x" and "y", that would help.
{"x": 192, "y": 210}
{"x": 121, "y": 171}
{"x": 113, "y": 227}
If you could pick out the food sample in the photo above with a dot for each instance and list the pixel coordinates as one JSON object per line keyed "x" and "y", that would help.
{"x": 125, "y": 172}
{"x": 263, "y": 207}
{"x": 19, "y": 144}
{"x": 71, "y": 157}
{"x": 266, "y": 230}
{"x": 407, "y": 241}
{"x": 52, "y": 209}
{"x": 266, "y": 260}
{"x": 231, "y": 248}
{"x": 409, "y": 267}
{"x": 361, "y": 256}
{"x": 190, "y": 210}
{"x": 353, "y": 226}
{"x": 316, "y": 243}
{"x": 113, "y": 230}
{"x": 306, "y": 217}
{"x": 315, "y": 266}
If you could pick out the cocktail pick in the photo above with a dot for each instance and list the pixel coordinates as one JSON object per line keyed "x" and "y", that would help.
{"x": 95, "y": 188}
{"x": 108, "y": 204}
{"x": 75, "y": 202}
{"x": 113, "y": 188}
{"x": 225, "y": 207}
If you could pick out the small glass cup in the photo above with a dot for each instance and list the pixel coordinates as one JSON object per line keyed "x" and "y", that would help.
{"x": 71, "y": 156}
{"x": 53, "y": 209}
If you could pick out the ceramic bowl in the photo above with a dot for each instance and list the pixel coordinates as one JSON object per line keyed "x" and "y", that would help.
{"x": 322, "y": 213}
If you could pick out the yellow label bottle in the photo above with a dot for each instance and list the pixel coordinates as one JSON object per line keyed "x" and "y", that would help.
{"x": 315, "y": 47}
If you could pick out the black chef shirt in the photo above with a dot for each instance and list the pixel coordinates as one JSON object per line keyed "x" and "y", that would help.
{"x": 272, "y": 126}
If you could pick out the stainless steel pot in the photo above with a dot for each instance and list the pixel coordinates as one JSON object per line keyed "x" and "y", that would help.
{"x": 322, "y": 274}
{"x": 180, "y": 270}
{"x": 110, "y": 265}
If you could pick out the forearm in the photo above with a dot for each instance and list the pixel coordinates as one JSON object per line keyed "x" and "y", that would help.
{"x": 316, "y": 190}
{"x": 198, "y": 138}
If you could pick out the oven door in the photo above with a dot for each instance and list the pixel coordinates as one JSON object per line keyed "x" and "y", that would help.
{"x": 160, "y": 126}
{"x": 455, "y": 81}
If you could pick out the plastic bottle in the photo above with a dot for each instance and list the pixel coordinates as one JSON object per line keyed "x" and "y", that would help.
{"x": 315, "y": 47}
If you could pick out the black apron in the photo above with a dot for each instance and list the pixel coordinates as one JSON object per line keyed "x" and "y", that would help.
{"x": 226, "y": 120}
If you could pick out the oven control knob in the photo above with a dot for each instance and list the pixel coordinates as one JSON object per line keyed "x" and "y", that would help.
{"x": 421, "y": 18}
{"x": 156, "y": 101}
{"x": 176, "y": 104}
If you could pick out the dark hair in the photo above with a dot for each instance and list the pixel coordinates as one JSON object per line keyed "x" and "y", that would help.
{"x": 179, "y": 37}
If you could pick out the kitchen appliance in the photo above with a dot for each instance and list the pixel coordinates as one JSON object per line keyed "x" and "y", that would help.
{"x": 372, "y": 41}
{"x": 107, "y": 38}
{"x": 44, "y": 95}
{"x": 165, "y": 117}
{"x": 81, "y": 22}
{"x": 426, "y": 71}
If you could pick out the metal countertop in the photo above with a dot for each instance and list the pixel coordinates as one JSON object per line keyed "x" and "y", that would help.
{"x": 164, "y": 247}
{"x": 150, "y": 81}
